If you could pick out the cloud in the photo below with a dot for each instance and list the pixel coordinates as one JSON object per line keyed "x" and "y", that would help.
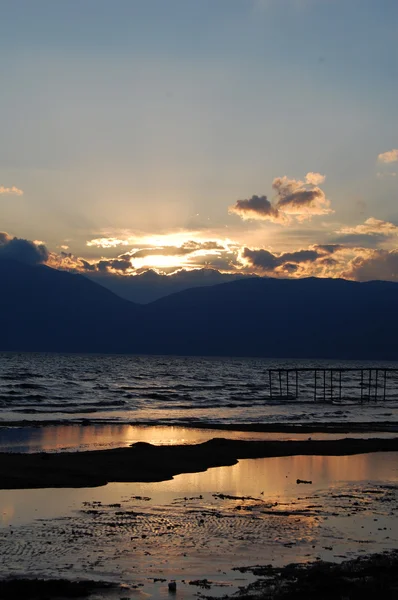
{"x": 315, "y": 178}
{"x": 267, "y": 262}
{"x": 104, "y": 242}
{"x": 190, "y": 254}
{"x": 389, "y": 157}
{"x": 371, "y": 226}
{"x": 257, "y": 207}
{"x": 377, "y": 264}
{"x": 22, "y": 250}
{"x": 295, "y": 198}
{"x": 10, "y": 191}
{"x": 115, "y": 264}
{"x": 324, "y": 260}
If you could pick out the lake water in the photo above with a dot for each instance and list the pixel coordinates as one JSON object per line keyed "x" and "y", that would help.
{"x": 170, "y": 391}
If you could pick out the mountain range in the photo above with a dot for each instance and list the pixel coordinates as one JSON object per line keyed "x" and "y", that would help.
{"x": 150, "y": 285}
{"x": 43, "y": 309}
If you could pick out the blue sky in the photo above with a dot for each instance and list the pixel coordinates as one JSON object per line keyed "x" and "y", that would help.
{"x": 136, "y": 118}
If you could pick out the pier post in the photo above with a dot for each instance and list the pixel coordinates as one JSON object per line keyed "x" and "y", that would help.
{"x": 361, "y": 386}
{"x": 314, "y": 385}
{"x": 340, "y": 385}
{"x": 385, "y": 385}
{"x": 377, "y": 377}
{"x": 370, "y": 384}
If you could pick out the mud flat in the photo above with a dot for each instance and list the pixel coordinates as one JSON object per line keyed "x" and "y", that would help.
{"x": 145, "y": 462}
{"x": 201, "y": 528}
{"x": 359, "y": 579}
{"x": 38, "y": 589}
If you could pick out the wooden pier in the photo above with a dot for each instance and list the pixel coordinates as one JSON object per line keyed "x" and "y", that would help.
{"x": 334, "y": 385}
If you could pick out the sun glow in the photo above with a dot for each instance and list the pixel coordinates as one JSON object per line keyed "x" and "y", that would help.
{"x": 159, "y": 261}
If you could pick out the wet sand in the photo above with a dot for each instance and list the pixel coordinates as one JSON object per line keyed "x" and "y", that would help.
{"x": 145, "y": 462}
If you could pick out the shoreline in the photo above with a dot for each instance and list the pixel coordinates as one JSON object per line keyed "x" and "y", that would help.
{"x": 143, "y": 462}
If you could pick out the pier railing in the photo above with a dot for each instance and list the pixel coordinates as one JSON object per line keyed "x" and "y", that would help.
{"x": 334, "y": 384}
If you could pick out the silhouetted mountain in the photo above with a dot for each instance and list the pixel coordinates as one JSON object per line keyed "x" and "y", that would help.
{"x": 42, "y": 309}
{"x": 45, "y": 310}
{"x": 150, "y": 286}
{"x": 330, "y": 318}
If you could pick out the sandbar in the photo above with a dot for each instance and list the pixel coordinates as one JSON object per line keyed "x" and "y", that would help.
{"x": 144, "y": 462}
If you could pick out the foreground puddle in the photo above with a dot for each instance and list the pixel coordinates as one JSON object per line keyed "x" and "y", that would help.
{"x": 201, "y": 525}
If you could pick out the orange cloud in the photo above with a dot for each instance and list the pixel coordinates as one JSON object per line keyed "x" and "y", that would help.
{"x": 389, "y": 157}
{"x": 315, "y": 178}
{"x": 371, "y": 226}
{"x": 10, "y": 190}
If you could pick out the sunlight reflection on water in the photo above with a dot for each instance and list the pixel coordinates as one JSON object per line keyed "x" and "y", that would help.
{"x": 275, "y": 477}
{"x": 100, "y": 437}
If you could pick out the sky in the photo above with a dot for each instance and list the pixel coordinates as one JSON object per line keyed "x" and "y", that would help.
{"x": 250, "y": 136}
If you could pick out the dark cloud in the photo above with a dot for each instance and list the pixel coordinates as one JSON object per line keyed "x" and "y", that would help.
{"x": 262, "y": 259}
{"x": 268, "y": 262}
{"x": 114, "y": 263}
{"x": 300, "y": 256}
{"x": 290, "y": 267}
{"x": 87, "y": 266}
{"x": 294, "y": 197}
{"x": 22, "y": 250}
{"x": 256, "y": 207}
{"x": 301, "y": 199}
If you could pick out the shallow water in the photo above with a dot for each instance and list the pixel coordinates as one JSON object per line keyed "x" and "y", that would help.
{"x": 186, "y": 530}
{"x": 73, "y": 437}
{"x": 172, "y": 390}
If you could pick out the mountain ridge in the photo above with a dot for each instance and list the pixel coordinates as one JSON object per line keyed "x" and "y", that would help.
{"x": 43, "y": 309}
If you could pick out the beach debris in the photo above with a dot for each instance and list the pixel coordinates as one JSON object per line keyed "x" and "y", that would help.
{"x": 172, "y": 585}
{"x": 202, "y": 583}
{"x": 144, "y": 498}
{"x": 303, "y": 481}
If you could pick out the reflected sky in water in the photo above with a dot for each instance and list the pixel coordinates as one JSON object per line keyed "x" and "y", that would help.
{"x": 100, "y": 437}
{"x": 273, "y": 478}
